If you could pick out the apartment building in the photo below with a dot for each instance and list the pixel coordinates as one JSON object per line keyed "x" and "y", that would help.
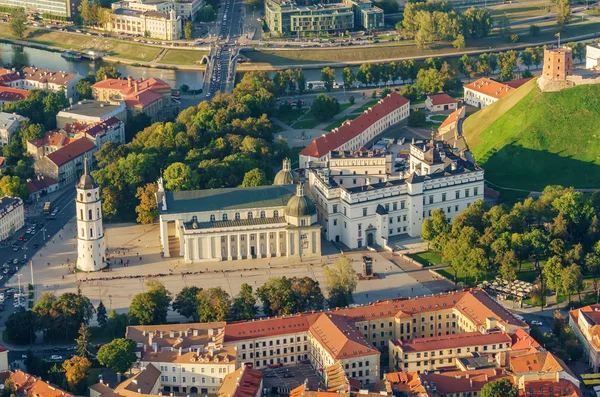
{"x": 66, "y": 163}
{"x": 9, "y": 124}
{"x": 352, "y": 338}
{"x": 585, "y": 323}
{"x": 12, "y": 216}
{"x": 353, "y": 134}
{"x": 54, "y": 9}
{"x": 33, "y": 78}
{"x": 89, "y": 111}
{"x": 153, "y": 24}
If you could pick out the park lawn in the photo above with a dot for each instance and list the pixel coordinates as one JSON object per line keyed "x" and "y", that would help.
{"x": 344, "y": 106}
{"x": 338, "y": 122}
{"x": 295, "y": 156}
{"x": 70, "y": 41}
{"x": 183, "y": 57}
{"x": 306, "y": 124}
{"x": 439, "y": 117}
{"x": 518, "y": 139}
{"x": 364, "y": 107}
{"x": 518, "y": 10}
{"x": 527, "y": 273}
{"x": 288, "y": 117}
{"x": 427, "y": 258}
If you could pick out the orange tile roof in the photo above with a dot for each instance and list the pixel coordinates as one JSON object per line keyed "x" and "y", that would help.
{"x": 490, "y": 87}
{"x": 353, "y": 128}
{"x": 124, "y": 87}
{"x": 452, "y": 118}
{"x": 8, "y": 75}
{"x": 547, "y": 388}
{"x": 143, "y": 98}
{"x": 541, "y": 361}
{"x": 268, "y": 327}
{"x": 47, "y": 75}
{"x": 2, "y": 161}
{"x": 71, "y": 151}
{"x": 9, "y": 94}
{"x": 339, "y": 338}
{"x": 408, "y": 382}
{"x": 244, "y": 382}
{"x": 452, "y": 341}
{"x": 449, "y": 382}
{"x": 39, "y": 183}
{"x": 441, "y": 99}
{"x": 51, "y": 138}
{"x": 31, "y": 386}
{"x": 521, "y": 340}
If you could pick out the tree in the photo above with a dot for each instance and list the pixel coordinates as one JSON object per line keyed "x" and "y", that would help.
{"x": 307, "y": 294}
{"x": 83, "y": 342}
{"x": 147, "y": 209}
{"x": 13, "y": 186}
{"x": 84, "y": 88}
{"x": 136, "y": 124}
{"x": 534, "y": 30}
{"x": 118, "y": 355}
{"x": 476, "y": 23}
{"x": 206, "y": 14}
{"x": 507, "y": 266}
{"x": 466, "y": 65}
{"x": 499, "y": 388}
{"x": 77, "y": 370}
{"x": 186, "y": 302}
{"x": 214, "y": 304}
{"x": 244, "y": 305}
{"x": 348, "y": 78}
{"x": 254, "y": 177}
{"x": 572, "y": 281}
{"x": 430, "y": 81}
{"x": 179, "y": 177}
{"x": 151, "y": 307}
{"x": 435, "y": 229}
{"x": 340, "y": 281}
{"x": 21, "y": 326}
{"x": 328, "y": 78}
{"x": 459, "y": 42}
{"x": 553, "y": 274}
{"x": 107, "y": 72}
{"x": 563, "y": 13}
{"x": 324, "y": 107}
{"x": 101, "y": 316}
{"x": 17, "y": 22}
{"x": 117, "y": 323}
{"x": 351, "y": 99}
{"x": 188, "y": 30}
{"x": 508, "y": 64}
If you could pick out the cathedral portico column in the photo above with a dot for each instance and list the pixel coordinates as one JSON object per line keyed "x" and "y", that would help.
{"x": 287, "y": 244}
{"x": 229, "y": 256}
{"x": 248, "y": 246}
{"x": 164, "y": 237}
{"x": 210, "y": 247}
{"x": 268, "y": 238}
{"x": 278, "y": 244}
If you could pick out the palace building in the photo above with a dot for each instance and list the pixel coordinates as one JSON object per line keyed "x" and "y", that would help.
{"x": 239, "y": 223}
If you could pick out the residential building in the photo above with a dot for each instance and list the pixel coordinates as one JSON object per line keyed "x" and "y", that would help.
{"x": 9, "y": 124}
{"x": 360, "y": 203}
{"x": 592, "y": 56}
{"x": 9, "y": 95}
{"x": 547, "y": 388}
{"x": 437, "y": 352}
{"x": 50, "y": 142}
{"x": 185, "y": 9}
{"x": 33, "y": 78}
{"x": 152, "y": 24}
{"x": 109, "y": 130}
{"x": 89, "y": 111}
{"x": 440, "y": 103}
{"x": 4, "y": 366}
{"x": 53, "y": 9}
{"x": 10, "y": 77}
{"x": 243, "y": 382}
{"x": 539, "y": 365}
{"x": 350, "y": 338}
{"x": 303, "y": 391}
{"x": 150, "y": 96}
{"x": 66, "y": 163}
{"x": 90, "y": 233}
{"x": 485, "y": 91}
{"x": 288, "y": 17}
{"x": 12, "y": 217}
{"x": 29, "y": 385}
{"x": 354, "y": 134}
{"x": 452, "y": 123}
{"x": 585, "y": 323}
{"x": 238, "y": 223}
{"x": 41, "y": 186}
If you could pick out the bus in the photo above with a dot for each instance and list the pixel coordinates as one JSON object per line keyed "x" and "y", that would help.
{"x": 47, "y": 208}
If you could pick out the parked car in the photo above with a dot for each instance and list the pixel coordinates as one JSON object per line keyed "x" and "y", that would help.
{"x": 535, "y": 322}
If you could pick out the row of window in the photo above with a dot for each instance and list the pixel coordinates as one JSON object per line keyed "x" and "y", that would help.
{"x": 272, "y": 352}
{"x": 237, "y": 216}
{"x": 277, "y": 342}
{"x": 456, "y": 195}
{"x": 164, "y": 378}
{"x": 221, "y": 370}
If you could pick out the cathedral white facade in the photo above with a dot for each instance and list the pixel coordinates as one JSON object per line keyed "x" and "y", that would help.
{"x": 361, "y": 202}
{"x": 90, "y": 233}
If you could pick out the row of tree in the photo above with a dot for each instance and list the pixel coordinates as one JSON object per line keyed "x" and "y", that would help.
{"x": 278, "y": 297}
{"x": 557, "y": 233}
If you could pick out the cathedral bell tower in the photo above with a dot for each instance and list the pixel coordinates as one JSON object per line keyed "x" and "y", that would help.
{"x": 90, "y": 234}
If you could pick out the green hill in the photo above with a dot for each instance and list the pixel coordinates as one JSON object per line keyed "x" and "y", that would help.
{"x": 530, "y": 139}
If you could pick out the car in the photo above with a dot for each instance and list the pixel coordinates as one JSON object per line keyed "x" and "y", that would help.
{"x": 15, "y": 261}
{"x": 21, "y": 238}
{"x": 36, "y": 245}
{"x": 15, "y": 248}
{"x": 535, "y": 322}
{"x": 23, "y": 355}
{"x": 55, "y": 357}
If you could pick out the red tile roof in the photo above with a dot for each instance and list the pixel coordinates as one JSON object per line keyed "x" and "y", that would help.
{"x": 123, "y": 85}
{"x": 452, "y": 341}
{"x": 340, "y": 338}
{"x": 8, "y": 76}
{"x": 71, "y": 151}
{"x": 101, "y": 126}
{"x": 143, "y": 98}
{"x": 441, "y": 99}
{"x": 244, "y": 382}
{"x": 51, "y": 138}
{"x": 29, "y": 385}
{"x": 353, "y": 128}
{"x": 269, "y": 327}
{"x": 546, "y": 388}
{"x": 2, "y": 161}
{"x": 522, "y": 340}
{"x": 490, "y": 87}
{"x": 47, "y": 75}
{"x": 35, "y": 185}
{"x": 462, "y": 382}
{"x": 452, "y": 118}
{"x": 8, "y": 94}
{"x": 517, "y": 83}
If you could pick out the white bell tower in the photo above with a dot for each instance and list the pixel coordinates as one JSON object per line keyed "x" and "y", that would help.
{"x": 90, "y": 234}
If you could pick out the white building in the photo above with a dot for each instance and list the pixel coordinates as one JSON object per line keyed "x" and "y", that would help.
{"x": 359, "y": 202}
{"x": 33, "y": 78}
{"x": 152, "y": 24}
{"x": 592, "y": 56}
{"x": 185, "y": 9}
{"x": 110, "y": 130}
{"x": 585, "y": 323}
{"x": 9, "y": 124}
{"x": 353, "y": 134}
{"x": 90, "y": 233}
{"x": 440, "y": 103}
{"x": 89, "y": 111}
{"x": 238, "y": 223}
{"x": 12, "y": 216}
{"x": 484, "y": 91}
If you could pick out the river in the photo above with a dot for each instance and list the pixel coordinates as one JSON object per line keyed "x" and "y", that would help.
{"x": 18, "y": 56}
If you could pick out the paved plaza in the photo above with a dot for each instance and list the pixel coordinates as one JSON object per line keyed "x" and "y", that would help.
{"x": 139, "y": 244}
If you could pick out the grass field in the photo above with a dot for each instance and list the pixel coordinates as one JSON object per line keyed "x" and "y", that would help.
{"x": 183, "y": 57}
{"x": 71, "y": 41}
{"x": 530, "y": 139}
{"x": 439, "y": 117}
{"x": 289, "y": 117}
{"x": 518, "y": 10}
{"x": 527, "y": 273}
{"x": 364, "y": 107}
{"x": 427, "y": 258}
{"x": 339, "y": 122}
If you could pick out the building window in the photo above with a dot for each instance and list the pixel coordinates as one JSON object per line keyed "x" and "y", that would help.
{"x": 466, "y": 192}
{"x": 431, "y": 199}
{"x": 237, "y": 216}
{"x": 475, "y": 191}
{"x": 91, "y": 233}
{"x": 249, "y": 215}
{"x": 387, "y": 207}
{"x": 457, "y": 194}
{"x": 443, "y": 196}
{"x": 275, "y": 214}
{"x": 89, "y": 215}
{"x": 335, "y": 222}
{"x": 212, "y": 218}
{"x": 335, "y": 208}
{"x": 365, "y": 211}
{"x": 395, "y": 205}
{"x": 224, "y": 217}
{"x": 262, "y": 214}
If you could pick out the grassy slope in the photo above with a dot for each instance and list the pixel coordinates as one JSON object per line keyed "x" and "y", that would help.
{"x": 531, "y": 139}
{"x": 183, "y": 57}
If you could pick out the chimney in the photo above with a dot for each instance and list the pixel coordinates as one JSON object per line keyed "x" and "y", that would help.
{"x": 171, "y": 334}
{"x": 129, "y": 81}
{"x": 137, "y": 87}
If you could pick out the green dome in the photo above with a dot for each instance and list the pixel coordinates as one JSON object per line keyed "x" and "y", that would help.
{"x": 300, "y": 204}
{"x": 286, "y": 176}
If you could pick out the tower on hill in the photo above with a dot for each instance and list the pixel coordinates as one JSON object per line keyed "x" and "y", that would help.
{"x": 90, "y": 234}
{"x": 558, "y": 63}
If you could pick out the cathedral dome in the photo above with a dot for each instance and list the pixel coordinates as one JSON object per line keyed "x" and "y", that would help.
{"x": 286, "y": 176}
{"x": 300, "y": 204}
{"x": 86, "y": 181}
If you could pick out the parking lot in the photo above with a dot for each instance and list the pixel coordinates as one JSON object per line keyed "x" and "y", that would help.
{"x": 284, "y": 379}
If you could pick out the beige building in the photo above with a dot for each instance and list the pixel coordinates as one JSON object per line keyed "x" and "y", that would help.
{"x": 66, "y": 164}
{"x": 440, "y": 103}
{"x": 9, "y": 124}
{"x": 152, "y": 24}
{"x": 585, "y": 323}
{"x": 33, "y": 78}
{"x": 89, "y": 111}
{"x": 12, "y": 217}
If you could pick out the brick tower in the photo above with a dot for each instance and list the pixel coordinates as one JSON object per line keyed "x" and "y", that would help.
{"x": 558, "y": 63}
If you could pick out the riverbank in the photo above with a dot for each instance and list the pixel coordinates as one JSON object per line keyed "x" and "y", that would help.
{"x": 117, "y": 51}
